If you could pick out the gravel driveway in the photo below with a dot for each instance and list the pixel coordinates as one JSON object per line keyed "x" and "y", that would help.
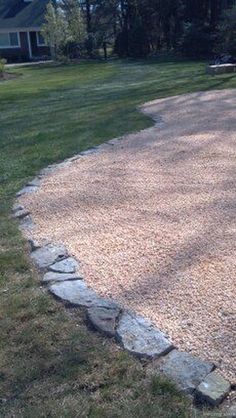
{"x": 152, "y": 219}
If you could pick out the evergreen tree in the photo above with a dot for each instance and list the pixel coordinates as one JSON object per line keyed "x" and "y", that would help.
{"x": 138, "y": 28}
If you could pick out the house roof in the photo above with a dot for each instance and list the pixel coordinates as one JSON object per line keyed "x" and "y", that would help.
{"x": 16, "y": 14}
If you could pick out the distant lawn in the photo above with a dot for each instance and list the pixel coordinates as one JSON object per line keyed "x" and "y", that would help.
{"x": 50, "y": 364}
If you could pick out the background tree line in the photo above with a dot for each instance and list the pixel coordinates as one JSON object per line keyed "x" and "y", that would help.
{"x": 138, "y": 28}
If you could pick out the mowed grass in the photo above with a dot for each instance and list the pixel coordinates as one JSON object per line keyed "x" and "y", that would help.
{"x": 51, "y": 365}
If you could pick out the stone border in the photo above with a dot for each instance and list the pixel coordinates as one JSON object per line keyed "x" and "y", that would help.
{"x": 221, "y": 69}
{"x": 137, "y": 335}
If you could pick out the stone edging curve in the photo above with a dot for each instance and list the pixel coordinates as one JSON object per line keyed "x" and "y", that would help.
{"x": 134, "y": 333}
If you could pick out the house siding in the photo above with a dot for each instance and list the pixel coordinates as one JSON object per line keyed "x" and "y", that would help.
{"x": 17, "y": 54}
{"x": 22, "y": 54}
{"x": 38, "y": 51}
{"x": 25, "y": 18}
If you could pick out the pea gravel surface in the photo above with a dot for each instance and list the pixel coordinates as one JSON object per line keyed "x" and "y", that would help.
{"x": 152, "y": 219}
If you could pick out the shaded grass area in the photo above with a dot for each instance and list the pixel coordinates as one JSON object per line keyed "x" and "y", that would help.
{"x": 51, "y": 365}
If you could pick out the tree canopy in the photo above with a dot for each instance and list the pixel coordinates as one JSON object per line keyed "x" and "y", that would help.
{"x": 137, "y": 28}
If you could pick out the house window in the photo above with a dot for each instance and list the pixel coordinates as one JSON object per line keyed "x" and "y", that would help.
{"x": 40, "y": 39}
{"x": 9, "y": 40}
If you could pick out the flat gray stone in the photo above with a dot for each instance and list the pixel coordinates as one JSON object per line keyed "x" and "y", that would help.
{"x": 21, "y": 213}
{"x": 26, "y": 223}
{"x": 104, "y": 320}
{"x": 47, "y": 170}
{"x": 114, "y": 141}
{"x": 139, "y": 336}
{"x": 34, "y": 244}
{"x": 65, "y": 163}
{"x": 186, "y": 370}
{"x": 74, "y": 158}
{"x": 59, "y": 277}
{"x": 213, "y": 389}
{"x": 69, "y": 265}
{"x": 35, "y": 182}
{"x": 89, "y": 151}
{"x": 221, "y": 69}
{"x": 76, "y": 292}
{"x": 26, "y": 190}
{"x": 47, "y": 255}
{"x": 17, "y": 207}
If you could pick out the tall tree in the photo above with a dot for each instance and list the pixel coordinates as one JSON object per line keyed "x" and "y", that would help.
{"x": 138, "y": 28}
{"x": 54, "y": 30}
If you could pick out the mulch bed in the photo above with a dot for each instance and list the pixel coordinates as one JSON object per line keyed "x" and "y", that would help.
{"x": 8, "y": 76}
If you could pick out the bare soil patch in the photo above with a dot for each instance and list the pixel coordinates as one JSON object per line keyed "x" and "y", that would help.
{"x": 153, "y": 221}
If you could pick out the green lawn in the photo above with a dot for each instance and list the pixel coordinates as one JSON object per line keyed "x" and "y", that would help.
{"x": 50, "y": 364}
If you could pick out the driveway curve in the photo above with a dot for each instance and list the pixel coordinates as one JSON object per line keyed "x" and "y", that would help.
{"x": 152, "y": 219}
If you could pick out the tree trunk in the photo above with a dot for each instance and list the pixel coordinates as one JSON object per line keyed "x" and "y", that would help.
{"x": 88, "y": 16}
{"x": 105, "y": 50}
